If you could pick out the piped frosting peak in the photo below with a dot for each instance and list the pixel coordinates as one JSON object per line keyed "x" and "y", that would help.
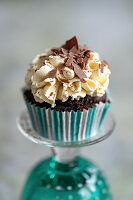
{"x": 71, "y": 70}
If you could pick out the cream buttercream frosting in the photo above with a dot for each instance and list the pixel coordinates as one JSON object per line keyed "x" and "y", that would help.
{"x": 50, "y": 77}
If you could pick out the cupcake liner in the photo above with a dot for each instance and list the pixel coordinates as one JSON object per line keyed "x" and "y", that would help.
{"x": 67, "y": 126}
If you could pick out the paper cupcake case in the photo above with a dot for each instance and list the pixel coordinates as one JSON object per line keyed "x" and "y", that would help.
{"x": 67, "y": 126}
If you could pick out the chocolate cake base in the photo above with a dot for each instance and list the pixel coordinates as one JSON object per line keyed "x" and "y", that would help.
{"x": 75, "y": 105}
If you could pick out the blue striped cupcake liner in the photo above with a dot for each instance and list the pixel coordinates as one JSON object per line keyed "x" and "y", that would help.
{"x": 67, "y": 126}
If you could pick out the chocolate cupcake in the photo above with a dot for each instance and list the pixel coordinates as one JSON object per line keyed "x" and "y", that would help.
{"x": 65, "y": 92}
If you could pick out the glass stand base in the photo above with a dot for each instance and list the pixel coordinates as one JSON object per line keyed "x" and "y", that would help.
{"x": 74, "y": 180}
{"x": 65, "y": 176}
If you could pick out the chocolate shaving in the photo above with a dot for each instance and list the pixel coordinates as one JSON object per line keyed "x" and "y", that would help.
{"x": 69, "y": 60}
{"x": 41, "y": 62}
{"x": 72, "y": 42}
{"x": 85, "y": 47}
{"x": 62, "y": 55}
{"x": 80, "y": 60}
{"x": 74, "y": 50}
{"x": 106, "y": 63}
{"x": 64, "y": 80}
{"x": 103, "y": 63}
{"x": 64, "y": 51}
{"x": 86, "y": 58}
{"x": 56, "y": 50}
{"x": 53, "y": 54}
{"x": 77, "y": 58}
{"x": 87, "y": 53}
{"x": 79, "y": 72}
{"x": 43, "y": 58}
{"x": 61, "y": 66}
{"x": 52, "y": 73}
{"x": 101, "y": 66}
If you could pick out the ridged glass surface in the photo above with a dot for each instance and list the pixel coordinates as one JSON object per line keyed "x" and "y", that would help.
{"x": 77, "y": 180}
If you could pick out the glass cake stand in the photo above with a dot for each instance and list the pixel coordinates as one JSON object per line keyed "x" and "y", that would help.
{"x": 65, "y": 175}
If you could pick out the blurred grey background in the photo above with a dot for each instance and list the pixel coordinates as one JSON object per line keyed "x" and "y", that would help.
{"x": 28, "y": 28}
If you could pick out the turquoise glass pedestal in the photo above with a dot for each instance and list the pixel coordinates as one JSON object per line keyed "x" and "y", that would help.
{"x": 65, "y": 175}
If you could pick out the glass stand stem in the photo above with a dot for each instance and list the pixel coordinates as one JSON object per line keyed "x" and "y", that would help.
{"x": 65, "y": 155}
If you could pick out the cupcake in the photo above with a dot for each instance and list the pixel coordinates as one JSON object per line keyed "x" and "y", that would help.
{"x": 66, "y": 92}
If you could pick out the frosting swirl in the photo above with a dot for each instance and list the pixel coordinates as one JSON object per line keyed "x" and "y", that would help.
{"x": 70, "y": 71}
